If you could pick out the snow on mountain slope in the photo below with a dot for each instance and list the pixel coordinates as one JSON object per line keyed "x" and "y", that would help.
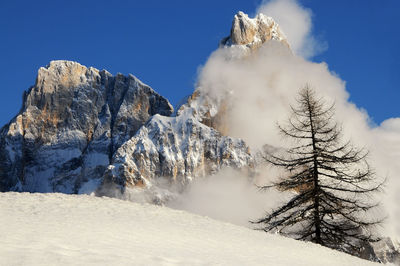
{"x": 60, "y": 229}
{"x": 179, "y": 148}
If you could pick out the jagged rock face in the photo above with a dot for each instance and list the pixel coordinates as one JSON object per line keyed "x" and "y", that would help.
{"x": 179, "y": 148}
{"x": 71, "y": 123}
{"x": 252, "y": 33}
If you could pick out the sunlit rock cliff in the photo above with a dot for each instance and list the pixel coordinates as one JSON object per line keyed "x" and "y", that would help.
{"x": 253, "y": 32}
{"x": 71, "y": 123}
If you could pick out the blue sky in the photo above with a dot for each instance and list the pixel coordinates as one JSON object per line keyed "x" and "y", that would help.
{"x": 163, "y": 43}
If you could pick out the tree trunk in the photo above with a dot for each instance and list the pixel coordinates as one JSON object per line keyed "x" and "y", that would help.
{"x": 317, "y": 221}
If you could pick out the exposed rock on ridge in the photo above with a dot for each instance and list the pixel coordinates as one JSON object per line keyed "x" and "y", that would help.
{"x": 180, "y": 148}
{"x": 211, "y": 111}
{"x": 252, "y": 33}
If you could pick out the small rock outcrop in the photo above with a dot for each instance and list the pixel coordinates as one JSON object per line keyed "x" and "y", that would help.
{"x": 211, "y": 111}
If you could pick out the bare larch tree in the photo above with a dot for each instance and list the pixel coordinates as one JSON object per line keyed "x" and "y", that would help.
{"x": 330, "y": 181}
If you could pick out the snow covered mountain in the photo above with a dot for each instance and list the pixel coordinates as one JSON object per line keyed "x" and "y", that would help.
{"x": 80, "y": 128}
{"x": 71, "y": 123}
{"x": 59, "y": 229}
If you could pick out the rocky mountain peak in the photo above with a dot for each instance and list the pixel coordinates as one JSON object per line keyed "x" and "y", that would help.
{"x": 66, "y": 74}
{"x": 73, "y": 120}
{"x": 253, "y": 32}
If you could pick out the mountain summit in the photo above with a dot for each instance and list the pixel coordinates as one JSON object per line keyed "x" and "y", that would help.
{"x": 252, "y": 33}
{"x": 71, "y": 123}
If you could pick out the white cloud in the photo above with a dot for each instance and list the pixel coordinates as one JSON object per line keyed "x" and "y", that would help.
{"x": 295, "y": 20}
{"x": 263, "y": 85}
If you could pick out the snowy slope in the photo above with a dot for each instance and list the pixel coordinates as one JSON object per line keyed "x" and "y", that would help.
{"x": 59, "y": 229}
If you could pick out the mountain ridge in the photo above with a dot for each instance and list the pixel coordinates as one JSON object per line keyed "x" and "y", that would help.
{"x": 75, "y": 121}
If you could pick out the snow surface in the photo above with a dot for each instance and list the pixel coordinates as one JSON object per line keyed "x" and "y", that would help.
{"x": 60, "y": 229}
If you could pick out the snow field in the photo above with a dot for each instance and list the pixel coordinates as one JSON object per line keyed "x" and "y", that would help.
{"x": 60, "y": 229}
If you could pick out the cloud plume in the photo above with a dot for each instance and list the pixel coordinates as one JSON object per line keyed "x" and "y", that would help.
{"x": 261, "y": 86}
{"x": 296, "y": 21}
